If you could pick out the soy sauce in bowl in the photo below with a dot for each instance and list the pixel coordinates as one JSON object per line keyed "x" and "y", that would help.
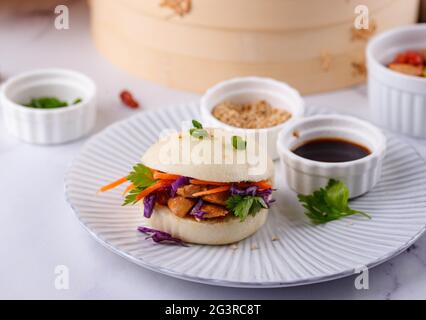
{"x": 331, "y": 150}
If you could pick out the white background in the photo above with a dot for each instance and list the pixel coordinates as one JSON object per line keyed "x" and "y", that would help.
{"x": 38, "y": 230}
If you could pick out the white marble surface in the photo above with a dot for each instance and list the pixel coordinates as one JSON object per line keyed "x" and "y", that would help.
{"x": 39, "y": 231}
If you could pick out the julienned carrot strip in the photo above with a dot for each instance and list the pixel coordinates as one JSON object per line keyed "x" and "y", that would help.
{"x": 213, "y": 183}
{"x": 113, "y": 184}
{"x": 244, "y": 184}
{"x": 211, "y": 191}
{"x": 129, "y": 188}
{"x": 158, "y": 185}
{"x": 165, "y": 176}
{"x": 263, "y": 184}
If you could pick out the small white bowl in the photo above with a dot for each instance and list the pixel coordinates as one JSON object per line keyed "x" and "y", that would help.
{"x": 253, "y": 89}
{"x": 49, "y": 126}
{"x": 305, "y": 176}
{"x": 398, "y": 101}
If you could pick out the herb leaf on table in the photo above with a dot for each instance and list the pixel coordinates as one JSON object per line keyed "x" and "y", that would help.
{"x": 329, "y": 203}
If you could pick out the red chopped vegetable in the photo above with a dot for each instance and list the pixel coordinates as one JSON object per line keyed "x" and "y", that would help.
{"x": 148, "y": 205}
{"x": 160, "y": 236}
{"x": 128, "y": 100}
{"x": 409, "y": 57}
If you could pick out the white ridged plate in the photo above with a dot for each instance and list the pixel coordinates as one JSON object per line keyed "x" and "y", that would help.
{"x": 303, "y": 254}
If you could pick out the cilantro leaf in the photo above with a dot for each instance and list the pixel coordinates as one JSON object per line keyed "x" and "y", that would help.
{"x": 258, "y": 204}
{"x": 238, "y": 143}
{"x": 244, "y": 206}
{"x": 197, "y": 131}
{"x": 142, "y": 178}
{"x": 337, "y": 195}
{"x": 131, "y": 197}
{"x": 329, "y": 203}
{"x": 197, "y": 124}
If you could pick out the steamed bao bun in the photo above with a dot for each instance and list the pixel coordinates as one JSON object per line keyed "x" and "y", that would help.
{"x": 211, "y": 159}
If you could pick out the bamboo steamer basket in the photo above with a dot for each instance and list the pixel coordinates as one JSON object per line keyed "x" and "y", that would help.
{"x": 311, "y": 45}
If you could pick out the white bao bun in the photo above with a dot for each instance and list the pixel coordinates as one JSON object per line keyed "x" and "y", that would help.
{"x": 215, "y": 232}
{"x": 233, "y": 166}
{"x": 230, "y": 165}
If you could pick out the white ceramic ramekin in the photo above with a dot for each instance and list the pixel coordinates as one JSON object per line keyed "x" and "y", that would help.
{"x": 49, "y": 126}
{"x": 398, "y": 101}
{"x": 305, "y": 176}
{"x": 253, "y": 89}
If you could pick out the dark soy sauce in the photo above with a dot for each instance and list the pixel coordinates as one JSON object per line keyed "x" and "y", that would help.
{"x": 331, "y": 150}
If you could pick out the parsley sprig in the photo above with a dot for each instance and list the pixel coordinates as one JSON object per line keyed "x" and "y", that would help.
{"x": 329, "y": 203}
{"x": 243, "y": 206}
{"x": 142, "y": 178}
{"x": 197, "y": 131}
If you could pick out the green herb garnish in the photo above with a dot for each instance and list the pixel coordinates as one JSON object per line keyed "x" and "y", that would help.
{"x": 197, "y": 131}
{"x": 142, "y": 178}
{"x": 46, "y": 103}
{"x": 197, "y": 124}
{"x": 49, "y": 103}
{"x": 238, "y": 143}
{"x": 78, "y": 100}
{"x": 329, "y": 203}
{"x": 242, "y": 206}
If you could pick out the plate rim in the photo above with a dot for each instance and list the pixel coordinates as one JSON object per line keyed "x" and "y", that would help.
{"x": 220, "y": 282}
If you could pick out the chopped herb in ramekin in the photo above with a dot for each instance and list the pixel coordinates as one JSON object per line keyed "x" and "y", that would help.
{"x": 49, "y": 103}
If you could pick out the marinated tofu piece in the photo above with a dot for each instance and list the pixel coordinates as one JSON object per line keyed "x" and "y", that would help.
{"x": 213, "y": 211}
{"x": 217, "y": 198}
{"x": 180, "y": 206}
{"x": 407, "y": 69}
{"x": 188, "y": 190}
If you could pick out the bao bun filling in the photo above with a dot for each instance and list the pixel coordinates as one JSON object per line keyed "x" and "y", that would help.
{"x": 193, "y": 198}
{"x": 201, "y": 200}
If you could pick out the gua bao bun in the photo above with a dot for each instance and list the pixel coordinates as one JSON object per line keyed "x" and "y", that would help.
{"x": 234, "y": 168}
{"x": 227, "y": 167}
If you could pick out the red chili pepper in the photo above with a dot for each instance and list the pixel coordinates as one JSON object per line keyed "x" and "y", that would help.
{"x": 409, "y": 57}
{"x": 128, "y": 100}
{"x": 414, "y": 58}
{"x": 400, "y": 58}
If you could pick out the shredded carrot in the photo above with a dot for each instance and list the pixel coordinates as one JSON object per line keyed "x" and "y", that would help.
{"x": 165, "y": 176}
{"x": 211, "y": 191}
{"x": 213, "y": 183}
{"x": 158, "y": 185}
{"x": 129, "y": 188}
{"x": 263, "y": 184}
{"x": 114, "y": 184}
{"x": 244, "y": 184}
